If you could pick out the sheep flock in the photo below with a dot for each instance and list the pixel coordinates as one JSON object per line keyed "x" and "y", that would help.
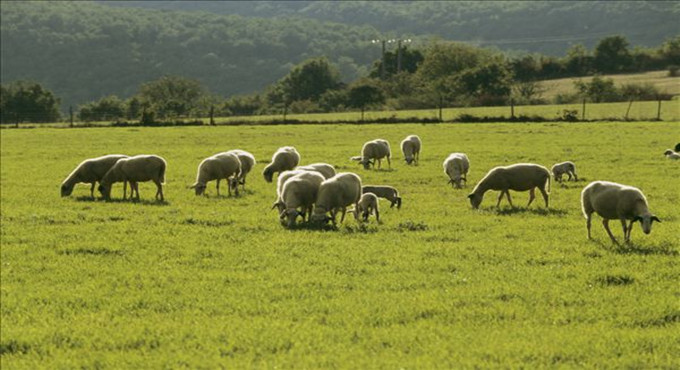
{"x": 316, "y": 192}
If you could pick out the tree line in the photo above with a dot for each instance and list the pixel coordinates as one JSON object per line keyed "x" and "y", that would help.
{"x": 443, "y": 74}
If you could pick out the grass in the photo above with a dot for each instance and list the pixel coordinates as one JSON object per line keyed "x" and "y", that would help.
{"x": 206, "y": 282}
{"x": 659, "y": 79}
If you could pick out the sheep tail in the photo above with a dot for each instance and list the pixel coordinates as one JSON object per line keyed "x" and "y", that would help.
{"x": 161, "y": 173}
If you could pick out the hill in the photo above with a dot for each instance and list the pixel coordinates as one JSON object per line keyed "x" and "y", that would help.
{"x": 547, "y": 27}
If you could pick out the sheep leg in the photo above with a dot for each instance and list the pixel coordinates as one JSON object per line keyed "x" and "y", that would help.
{"x": 546, "y": 197}
{"x": 630, "y": 227}
{"x": 389, "y": 162}
{"x": 334, "y": 213}
{"x": 342, "y": 218}
{"x": 134, "y": 187}
{"x": 377, "y": 214}
{"x": 92, "y": 190}
{"x": 532, "y": 196}
{"x": 500, "y": 196}
{"x": 588, "y": 222}
{"x": 218, "y": 187}
{"x": 575, "y": 177}
{"x": 379, "y": 163}
{"x": 125, "y": 189}
{"x": 625, "y": 230}
{"x": 507, "y": 193}
{"x": 605, "y": 223}
{"x": 159, "y": 189}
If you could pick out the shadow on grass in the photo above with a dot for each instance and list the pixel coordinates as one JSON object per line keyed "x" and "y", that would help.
{"x": 524, "y": 210}
{"x": 91, "y": 252}
{"x": 151, "y": 202}
{"x": 664, "y": 249}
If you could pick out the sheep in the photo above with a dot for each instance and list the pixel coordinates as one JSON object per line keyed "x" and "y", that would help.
{"x": 280, "y": 182}
{"x": 671, "y": 154}
{"x": 616, "y": 201}
{"x": 564, "y": 167}
{"x": 456, "y": 167}
{"x": 372, "y": 151}
{"x": 220, "y": 166}
{"x": 325, "y": 169}
{"x": 285, "y": 158}
{"x": 517, "y": 177}
{"x": 410, "y": 146}
{"x": 135, "y": 169}
{"x": 677, "y": 148}
{"x": 247, "y": 163}
{"x": 368, "y": 203}
{"x": 91, "y": 171}
{"x": 299, "y": 191}
{"x": 336, "y": 194}
{"x": 384, "y": 191}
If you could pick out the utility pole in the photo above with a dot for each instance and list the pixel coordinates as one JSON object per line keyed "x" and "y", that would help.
{"x": 382, "y": 56}
{"x": 399, "y": 53}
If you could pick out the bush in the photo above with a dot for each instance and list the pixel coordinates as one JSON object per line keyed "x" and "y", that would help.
{"x": 673, "y": 71}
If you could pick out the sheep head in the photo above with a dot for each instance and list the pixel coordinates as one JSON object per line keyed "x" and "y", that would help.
{"x": 105, "y": 190}
{"x": 199, "y": 188}
{"x": 475, "y": 200}
{"x": 646, "y": 222}
{"x": 66, "y": 190}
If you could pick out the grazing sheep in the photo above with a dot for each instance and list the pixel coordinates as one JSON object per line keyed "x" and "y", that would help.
{"x": 384, "y": 191}
{"x": 368, "y": 203}
{"x": 671, "y": 154}
{"x": 91, "y": 171}
{"x": 247, "y": 163}
{"x": 325, "y": 169}
{"x": 299, "y": 191}
{"x": 372, "y": 151}
{"x": 135, "y": 169}
{"x": 517, "y": 177}
{"x": 615, "y": 201}
{"x": 336, "y": 194}
{"x": 285, "y": 158}
{"x": 565, "y": 167}
{"x": 677, "y": 148}
{"x": 411, "y": 149}
{"x": 220, "y": 166}
{"x": 456, "y": 167}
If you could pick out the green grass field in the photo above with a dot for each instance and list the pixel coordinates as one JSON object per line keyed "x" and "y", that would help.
{"x": 208, "y": 282}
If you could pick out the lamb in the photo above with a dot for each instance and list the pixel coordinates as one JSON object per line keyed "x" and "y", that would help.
{"x": 335, "y": 194}
{"x": 671, "y": 154}
{"x": 220, "y": 166}
{"x": 410, "y": 146}
{"x": 368, "y": 203}
{"x": 564, "y": 167}
{"x": 135, "y": 169}
{"x": 91, "y": 171}
{"x": 616, "y": 201}
{"x": 247, "y": 163}
{"x": 372, "y": 151}
{"x": 517, "y": 177}
{"x": 285, "y": 158}
{"x": 384, "y": 191}
{"x": 325, "y": 169}
{"x": 299, "y": 191}
{"x": 456, "y": 167}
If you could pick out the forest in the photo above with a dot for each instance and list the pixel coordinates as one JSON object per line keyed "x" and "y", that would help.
{"x": 117, "y": 62}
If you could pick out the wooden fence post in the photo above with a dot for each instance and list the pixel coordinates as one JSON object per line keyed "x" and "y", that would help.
{"x": 512, "y": 108}
{"x": 658, "y": 111}
{"x": 583, "y": 110}
{"x": 441, "y": 102}
{"x": 628, "y": 110}
{"x": 212, "y": 115}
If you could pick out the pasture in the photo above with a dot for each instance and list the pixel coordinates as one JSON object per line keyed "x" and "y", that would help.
{"x": 207, "y": 282}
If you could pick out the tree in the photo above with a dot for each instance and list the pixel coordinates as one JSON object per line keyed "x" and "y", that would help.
{"x": 612, "y": 55}
{"x": 410, "y": 59}
{"x": 171, "y": 96}
{"x": 598, "y": 89}
{"x": 107, "y": 108}
{"x": 489, "y": 84}
{"x": 308, "y": 80}
{"x": 363, "y": 94}
{"x": 23, "y": 101}
{"x": 578, "y": 61}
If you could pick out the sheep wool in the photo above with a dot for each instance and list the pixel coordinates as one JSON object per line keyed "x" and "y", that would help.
{"x": 384, "y": 191}
{"x": 336, "y": 194}
{"x": 517, "y": 177}
{"x": 410, "y": 147}
{"x": 135, "y": 169}
{"x": 456, "y": 167}
{"x": 91, "y": 171}
{"x": 220, "y": 166}
{"x": 285, "y": 158}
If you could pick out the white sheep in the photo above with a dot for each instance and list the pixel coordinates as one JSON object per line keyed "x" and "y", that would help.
{"x": 671, "y": 154}
{"x": 517, "y": 177}
{"x": 335, "y": 194}
{"x": 372, "y": 151}
{"x": 615, "y": 201}
{"x": 285, "y": 158}
{"x": 558, "y": 169}
{"x": 91, "y": 171}
{"x": 384, "y": 191}
{"x": 247, "y": 163}
{"x": 299, "y": 191}
{"x": 135, "y": 169}
{"x": 220, "y": 166}
{"x": 456, "y": 167}
{"x": 368, "y": 203}
{"x": 410, "y": 146}
{"x": 326, "y": 170}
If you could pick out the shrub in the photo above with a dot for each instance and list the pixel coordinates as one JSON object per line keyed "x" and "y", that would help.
{"x": 673, "y": 71}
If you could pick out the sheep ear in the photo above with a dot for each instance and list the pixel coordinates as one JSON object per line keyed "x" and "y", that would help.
{"x": 654, "y": 218}
{"x": 637, "y": 218}
{"x": 275, "y": 205}
{"x": 471, "y": 195}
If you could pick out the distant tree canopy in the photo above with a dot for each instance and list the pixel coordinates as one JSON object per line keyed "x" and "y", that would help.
{"x": 171, "y": 96}
{"x": 23, "y": 101}
{"x": 364, "y": 94}
{"x": 612, "y": 55}
{"x": 310, "y": 79}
